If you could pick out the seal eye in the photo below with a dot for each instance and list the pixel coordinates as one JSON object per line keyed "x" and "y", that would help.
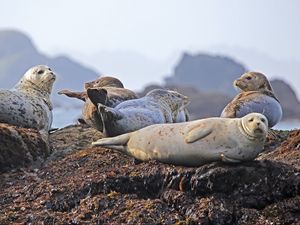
{"x": 263, "y": 120}
{"x": 251, "y": 120}
{"x": 40, "y": 72}
{"x": 248, "y": 78}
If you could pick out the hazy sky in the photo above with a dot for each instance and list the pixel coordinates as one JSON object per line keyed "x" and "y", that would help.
{"x": 157, "y": 28}
{"x": 139, "y": 41}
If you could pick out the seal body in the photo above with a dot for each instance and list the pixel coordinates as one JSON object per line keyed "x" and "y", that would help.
{"x": 28, "y": 103}
{"x": 256, "y": 96}
{"x": 106, "y": 90}
{"x": 158, "y": 106}
{"x": 195, "y": 143}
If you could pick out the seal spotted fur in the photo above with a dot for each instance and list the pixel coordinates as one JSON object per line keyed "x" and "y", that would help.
{"x": 28, "y": 104}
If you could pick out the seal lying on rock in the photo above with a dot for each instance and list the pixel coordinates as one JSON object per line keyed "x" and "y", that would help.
{"x": 195, "y": 143}
{"x": 158, "y": 106}
{"x": 28, "y": 103}
{"x": 257, "y": 96}
{"x": 105, "y": 90}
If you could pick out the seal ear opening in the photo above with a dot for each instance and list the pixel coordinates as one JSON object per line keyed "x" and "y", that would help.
{"x": 97, "y": 96}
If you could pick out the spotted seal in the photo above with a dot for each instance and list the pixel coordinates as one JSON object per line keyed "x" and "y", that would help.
{"x": 256, "y": 95}
{"x": 196, "y": 142}
{"x": 28, "y": 104}
{"x": 158, "y": 106}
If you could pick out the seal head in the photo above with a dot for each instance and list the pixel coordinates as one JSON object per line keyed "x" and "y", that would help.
{"x": 253, "y": 81}
{"x": 254, "y": 125}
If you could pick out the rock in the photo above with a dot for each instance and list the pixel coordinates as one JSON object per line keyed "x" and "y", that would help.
{"x": 203, "y": 70}
{"x": 21, "y": 147}
{"x": 288, "y": 151}
{"x": 102, "y": 186}
{"x": 70, "y": 139}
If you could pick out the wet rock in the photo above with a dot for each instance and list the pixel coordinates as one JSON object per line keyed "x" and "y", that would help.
{"x": 21, "y": 147}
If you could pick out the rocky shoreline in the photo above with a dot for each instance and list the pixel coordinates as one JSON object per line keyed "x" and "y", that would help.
{"x": 77, "y": 184}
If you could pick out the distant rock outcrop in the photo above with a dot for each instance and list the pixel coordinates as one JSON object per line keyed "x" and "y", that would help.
{"x": 288, "y": 99}
{"x": 207, "y": 80}
{"x": 18, "y": 53}
{"x": 206, "y": 72}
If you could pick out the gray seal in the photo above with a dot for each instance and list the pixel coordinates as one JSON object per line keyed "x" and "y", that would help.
{"x": 196, "y": 142}
{"x": 256, "y": 95}
{"x": 158, "y": 106}
{"x": 28, "y": 104}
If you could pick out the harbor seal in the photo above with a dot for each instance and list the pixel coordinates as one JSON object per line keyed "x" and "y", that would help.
{"x": 158, "y": 106}
{"x": 256, "y": 95}
{"x": 106, "y": 90}
{"x": 196, "y": 142}
{"x": 28, "y": 104}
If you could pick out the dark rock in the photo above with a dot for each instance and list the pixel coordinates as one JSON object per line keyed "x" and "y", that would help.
{"x": 21, "y": 147}
{"x": 102, "y": 186}
{"x": 206, "y": 72}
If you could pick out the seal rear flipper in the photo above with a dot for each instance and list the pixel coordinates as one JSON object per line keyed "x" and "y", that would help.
{"x": 197, "y": 133}
{"x": 108, "y": 116}
{"x": 97, "y": 95}
{"x": 118, "y": 143}
{"x": 72, "y": 94}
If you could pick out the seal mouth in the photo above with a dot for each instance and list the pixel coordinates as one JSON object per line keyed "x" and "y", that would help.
{"x": 259, "y": 131}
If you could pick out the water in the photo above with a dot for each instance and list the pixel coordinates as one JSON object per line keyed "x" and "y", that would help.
{"x": 63, "y": 117}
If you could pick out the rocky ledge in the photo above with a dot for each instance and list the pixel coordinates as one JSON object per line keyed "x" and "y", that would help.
{"x": 78, "y": 184}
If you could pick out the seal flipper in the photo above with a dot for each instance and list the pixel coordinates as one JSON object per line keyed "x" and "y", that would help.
{"x": 197, "y": 133}
{"x": 73, "y": 94}
{"x": 97, "y": 95}
{"x": 118, "y": 143}
{"x": 108, "y": 115}
{"x": 224, "y": 158}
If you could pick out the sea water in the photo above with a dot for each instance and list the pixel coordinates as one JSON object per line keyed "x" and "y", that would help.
{"x": 63, "y": 117}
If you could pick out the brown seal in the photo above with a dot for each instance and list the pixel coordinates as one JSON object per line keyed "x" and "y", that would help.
{"x": 105, "y": 90}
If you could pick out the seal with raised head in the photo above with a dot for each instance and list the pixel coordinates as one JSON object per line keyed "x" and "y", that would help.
{"x": 256, "y": 95}
{"x": 28, "y": 103}
{"x": 105, "y": 90}
{"x": 196, "y": 142}
{"x": 158, "y": 106}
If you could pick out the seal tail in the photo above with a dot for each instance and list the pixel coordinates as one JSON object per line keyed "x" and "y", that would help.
{"x": 108, "y": 115}
{"x": 97, "y": 95}
{"x": 118, "y": 143}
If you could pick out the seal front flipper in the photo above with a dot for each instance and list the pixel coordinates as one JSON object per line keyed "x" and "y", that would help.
{"x": 224, "y": 158}
{"x": 73, "y": 94}
{"x": 97, "y": 95}
{"x": 197, "y": 133}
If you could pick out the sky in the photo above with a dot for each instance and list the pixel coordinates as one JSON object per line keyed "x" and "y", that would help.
{"x": 157, "y": 30}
